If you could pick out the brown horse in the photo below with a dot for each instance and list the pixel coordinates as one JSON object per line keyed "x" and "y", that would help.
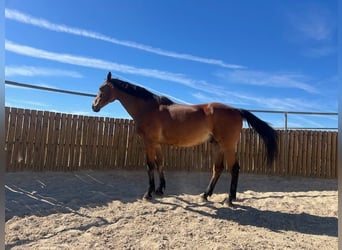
{"x": 161, "y": 121}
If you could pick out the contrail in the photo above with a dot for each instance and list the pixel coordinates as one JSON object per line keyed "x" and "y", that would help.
{"x": 43, "y": 23}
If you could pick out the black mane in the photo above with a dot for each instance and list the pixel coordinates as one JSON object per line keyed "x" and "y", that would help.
{"x": 140, "y": 92}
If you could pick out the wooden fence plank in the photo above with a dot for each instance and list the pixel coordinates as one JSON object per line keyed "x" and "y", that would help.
{"x": 290, "y": 153}
{"x": 69, "y": 136}
{"x": 334, "y": 152}
{"x": 49, "y": 139}
{"x": 79, "y": 147}
{"x": 79, "y": 140}
{"x": 280, "y": 157}
{"x": 30, "y": 131}
{"x": 318, "y": 144}
{"x": 64, "y": 135}
{"x": 306, "y": 154}
{"x": 111, "y": 153}
{"x": 7, "y": 120}
{"x": 39, "y": 142}
{"x": 8, "y": 142}
{"x": 324, "y": 144}
{"x": 56, "y": 141}
{"x": 86, "y": 142}
{"x": 18, "y": 149}
{"x": 99, "y": 144}
{"x": 92, "y": 140}
{"x": 125, "y": 141}
{"x": 328, "y": 155}
{"x": 10, "y": 139}
{"x": 27, "y": 162}
{"x": 44, "y": 120}
{"x": 72, "y": 159}
{"x": 117, "y": 135}
{"x": 311, "y": 153}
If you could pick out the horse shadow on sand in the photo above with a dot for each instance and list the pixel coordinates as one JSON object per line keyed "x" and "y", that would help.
{"x": 273, "y": 220}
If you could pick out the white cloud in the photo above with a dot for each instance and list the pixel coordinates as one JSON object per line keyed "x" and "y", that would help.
{"x": 13, "y": 70}
{"x": 262, "y": 103}
{"x": 315, "y": 27}
{"x": 268, "y": 79}
{"x": 25, "y": 104}
{"x": 320, "y": 51}
{"x": 308, "y": 121}
{"x": 95, "y": 63}
{"x": 202, "y": 97}
{"x": 42, "y": 23}
{"x": 313, "y": 22}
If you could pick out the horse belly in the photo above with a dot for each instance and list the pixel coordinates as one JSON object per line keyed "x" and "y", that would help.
{"x": 185, "y": 137}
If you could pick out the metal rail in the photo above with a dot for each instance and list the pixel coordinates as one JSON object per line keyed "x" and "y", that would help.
{"x": 24, "y": 85}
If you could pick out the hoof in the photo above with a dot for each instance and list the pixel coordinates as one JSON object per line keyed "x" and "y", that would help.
{"x": 159, "y": 192}
{"x": 229, "y": 202}
{"x": 204, "y": 197}
{"x": 147, "y": 197}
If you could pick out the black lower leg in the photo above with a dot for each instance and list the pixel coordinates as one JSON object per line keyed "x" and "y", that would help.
{"x": 162, "y": 185}
{"x": 159, "y": 164}
{"x": 210, "y": 189}
{"x": 218, "y": 168}
{"x": 234, "y": 182}
{"x": 151, "y": 185}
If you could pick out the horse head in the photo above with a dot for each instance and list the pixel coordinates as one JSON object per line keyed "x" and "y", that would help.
{"x": 105, "y": 95}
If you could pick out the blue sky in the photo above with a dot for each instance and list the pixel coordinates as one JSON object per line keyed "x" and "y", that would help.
{"x": 258, "y": 55}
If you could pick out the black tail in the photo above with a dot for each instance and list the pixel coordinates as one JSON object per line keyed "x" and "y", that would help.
{"x": 267, "y": 133}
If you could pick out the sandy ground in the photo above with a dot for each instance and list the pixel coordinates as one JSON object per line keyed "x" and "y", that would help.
{"x": 103, "y": 210}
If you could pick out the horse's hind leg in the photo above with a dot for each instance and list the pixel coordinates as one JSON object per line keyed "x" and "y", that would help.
{"x": 160, "y": 168}
{"x": 234, "y": 170}
{"x": 217, "y": 170}
{"x": 234, "y": 182}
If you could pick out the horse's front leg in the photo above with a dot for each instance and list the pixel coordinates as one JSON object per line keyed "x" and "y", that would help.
{"x": 150, "y": 157}
{"x": 160, "y": 168}
{"x": 151, "y": 185}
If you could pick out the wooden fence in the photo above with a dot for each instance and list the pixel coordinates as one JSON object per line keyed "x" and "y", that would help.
{"x": 48, "y": 141}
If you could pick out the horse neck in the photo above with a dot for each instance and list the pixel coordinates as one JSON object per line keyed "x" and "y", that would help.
{"x": 135, "y": 106}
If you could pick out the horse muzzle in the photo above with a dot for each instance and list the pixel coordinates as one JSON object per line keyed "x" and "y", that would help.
{"x": 95, "y": 108}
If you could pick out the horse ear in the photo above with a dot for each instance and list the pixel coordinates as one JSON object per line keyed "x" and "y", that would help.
{"x": 109, "y": 76}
